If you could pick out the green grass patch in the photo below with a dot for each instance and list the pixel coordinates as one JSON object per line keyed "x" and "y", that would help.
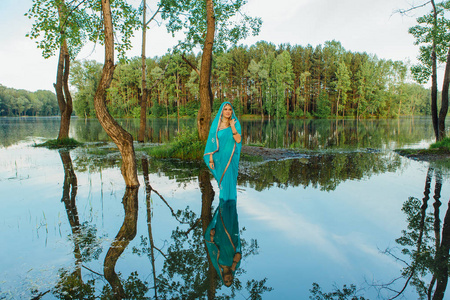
{"x": 186, "y": 146}
{"x": 60, "y": 143}
{"x": 256, "y": 144}
{"x": 250, "y": 117}
{"x": 443, "y": 145}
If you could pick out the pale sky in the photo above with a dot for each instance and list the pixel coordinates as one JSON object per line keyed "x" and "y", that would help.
{"x": 360, "y": 26}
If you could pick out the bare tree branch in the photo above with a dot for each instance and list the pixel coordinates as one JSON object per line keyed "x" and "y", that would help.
{"x": 190, "y": 64}
{"x": 406, "y": 11}
{"x": 193, "y": 226}
{"x": 154, "y": 15}
{"x": 160, "y": 251}
{"x": 92, "y": 271}
{"x": 171, "y": 209}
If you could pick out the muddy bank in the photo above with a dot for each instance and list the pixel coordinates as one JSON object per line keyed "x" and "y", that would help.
{"x": 271, "y": 154}
{"x": 427, "y": 155}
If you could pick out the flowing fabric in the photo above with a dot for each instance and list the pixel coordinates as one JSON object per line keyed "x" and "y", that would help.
{"x": 226, "y": 242}
{"x": 226, "y": 153}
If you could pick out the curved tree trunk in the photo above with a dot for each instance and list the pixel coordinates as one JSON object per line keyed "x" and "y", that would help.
{"x": 126, "y": 233}
{"x": 442, "y": 256}
{"x": 204, "y": 113}
{"x": 120, "y": 136}
{"x": 62, "y": 83}
{"x": 444, "y": 100}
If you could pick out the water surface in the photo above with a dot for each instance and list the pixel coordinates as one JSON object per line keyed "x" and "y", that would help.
{"x": 327, "y": 218}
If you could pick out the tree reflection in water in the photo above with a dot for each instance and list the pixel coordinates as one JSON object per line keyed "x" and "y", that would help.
{"x": 134, "y": 287}
{"x": 84, "y": 236}
{"x": 188, "y": 272}
{"x": 87, "y": 247}
{"x": 323, "y": 171}
{"x": 424, "y": 246}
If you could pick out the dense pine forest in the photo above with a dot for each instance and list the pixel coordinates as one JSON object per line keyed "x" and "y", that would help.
{"x": 262, "y": 80}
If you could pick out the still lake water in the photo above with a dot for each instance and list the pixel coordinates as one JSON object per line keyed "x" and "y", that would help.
{"x": 324, "y": 218}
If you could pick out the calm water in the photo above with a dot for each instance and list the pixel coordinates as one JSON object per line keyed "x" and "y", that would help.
{"x": 331, "y": 217}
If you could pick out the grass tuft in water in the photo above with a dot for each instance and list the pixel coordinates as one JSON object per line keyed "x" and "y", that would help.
{"x": 443, "y": 145}
{"x": 186, "y": 146}
{"x": 60, "y": 143}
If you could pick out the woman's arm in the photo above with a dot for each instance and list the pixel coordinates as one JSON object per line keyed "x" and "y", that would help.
{"x": 237, "y": 137}
{"x": 237, "y": 257}
{"x": 211, "y": 161}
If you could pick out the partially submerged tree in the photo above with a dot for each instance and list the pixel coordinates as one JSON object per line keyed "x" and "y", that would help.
{"x": 59, "y": 26}
{"x": 432, "y": 34}
{"x": 122, "y": 138}
{"x": 212, "y": 25}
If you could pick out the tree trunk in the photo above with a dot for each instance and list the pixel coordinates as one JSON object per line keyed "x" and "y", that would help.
{"x": 444, "y": 100}
{"x": 62, "y": 83}
{"x": 127, "y": 232}
{"x": 120, "y": 136}
{"x": 442, "y": 259}
{"x": 206, "y": 217}
{"x": 143, "y": 115}
{"x": 337, "y": 104}
{"x": 434, "y": 115}
{"x": 204, "y": 113}
{"x": 70, "y": 187}
{"x": 148, "y": 192}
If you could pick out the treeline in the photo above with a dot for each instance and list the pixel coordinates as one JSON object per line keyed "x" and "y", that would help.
{"x": 262, "y": 79}
{"x": 24, "y": 103}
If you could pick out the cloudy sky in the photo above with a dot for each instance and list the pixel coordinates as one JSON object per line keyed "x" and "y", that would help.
{"x": 360, "y": 26}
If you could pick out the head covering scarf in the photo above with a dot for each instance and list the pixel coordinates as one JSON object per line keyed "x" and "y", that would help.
{"x": 226, "y": 153}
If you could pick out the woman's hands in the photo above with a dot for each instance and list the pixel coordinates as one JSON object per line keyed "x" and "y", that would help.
{"x": 233, "y": 125}
{"x": 236, "y": 135}
{"x": 211, "y": 162}
{"x": 237, "y": 257}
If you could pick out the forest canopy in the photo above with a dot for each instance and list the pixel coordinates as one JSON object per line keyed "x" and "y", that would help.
{"x": 261, "y": 80}
{"x": 285, "y": 81}
{"x": 24, "y": 103}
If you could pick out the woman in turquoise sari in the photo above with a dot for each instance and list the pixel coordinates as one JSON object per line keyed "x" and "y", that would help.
{"x": 222, "y": 153}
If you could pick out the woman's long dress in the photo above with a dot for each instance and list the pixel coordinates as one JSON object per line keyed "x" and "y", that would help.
{"x": 226, "y": 154}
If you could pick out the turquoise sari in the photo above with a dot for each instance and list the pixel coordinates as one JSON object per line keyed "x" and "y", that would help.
{"x": 227, "y": 241}
{"x": 226, "y": 153}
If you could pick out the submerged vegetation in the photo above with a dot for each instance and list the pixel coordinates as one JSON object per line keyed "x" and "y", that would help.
{"x": 443, "y": 145}
{"x": 186, "y": 146}
{"x": 439, "y": 151}
{"x": 60, "y": 143}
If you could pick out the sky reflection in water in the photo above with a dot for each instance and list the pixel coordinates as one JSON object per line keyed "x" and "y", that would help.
{"x": 328, "y": 228}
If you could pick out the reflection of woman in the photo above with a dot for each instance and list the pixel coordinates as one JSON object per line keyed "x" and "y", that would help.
{"x": 222, "y": 152}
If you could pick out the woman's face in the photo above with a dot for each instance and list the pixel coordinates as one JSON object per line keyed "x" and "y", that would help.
{"x": 227, "y": 111}
{"x": 228, "y": 280}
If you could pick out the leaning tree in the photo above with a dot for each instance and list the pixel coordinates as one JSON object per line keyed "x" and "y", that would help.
{"x": 60, "y": 26}
{"x": 431, "y": 34}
